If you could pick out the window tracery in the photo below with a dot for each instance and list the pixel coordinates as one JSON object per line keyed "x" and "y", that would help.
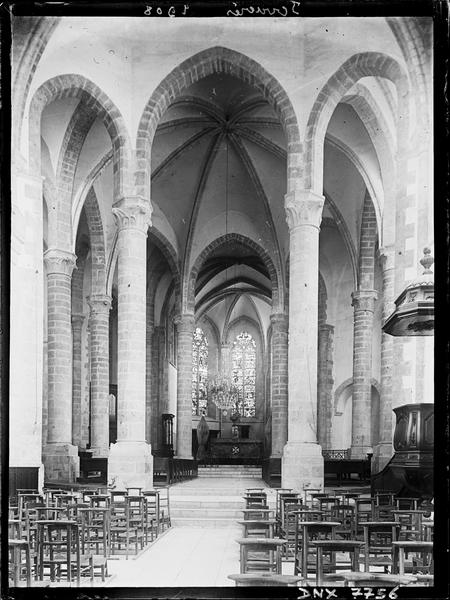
{"x": 244, "y": 372}
{"x": 199, "y": 372}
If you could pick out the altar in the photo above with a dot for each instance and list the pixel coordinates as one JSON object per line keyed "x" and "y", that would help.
{"x": 235, "y": 449}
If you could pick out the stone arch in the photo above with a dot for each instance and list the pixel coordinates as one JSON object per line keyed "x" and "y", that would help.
{"x": 248, "y": 320}
{"x": 366, "y": 64}
{"x": 215, "y": 60}
{"x": 98, "y": 104}
{"x": 188, "y": 298}
{"x": 26, "y": 65}
{"x": 97, "y": 243}
{"x": 344, "y": 391}
{"x": 367, "y": 246}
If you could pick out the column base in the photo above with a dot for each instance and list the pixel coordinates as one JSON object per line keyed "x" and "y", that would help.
{"x": 130, "y": 464}
{"x": 382, "y": 454}
{"x": 61, "y": 463}
{"x": 360, "y": 452}
{"x": 302, "y": 466}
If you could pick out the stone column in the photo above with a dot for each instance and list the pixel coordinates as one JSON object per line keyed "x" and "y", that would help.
{"x": 130, "y": 461}
{"x": 302, "y": 462}
{"x": 60, "y": 455}
{"x": 279, "y": 383}
{"x": 99, "y": 352}
{"x": 363, "y": 302}
{"x": 325, "y": 384}
{"x": 383, "y": 451}
{"x": 185, "y": 331}
{"x": 77, "y": 429}
{"x": 149, "y": 418}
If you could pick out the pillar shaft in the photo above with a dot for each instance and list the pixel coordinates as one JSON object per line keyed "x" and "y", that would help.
{"x": 149, "y": 417}
{"x": 130, "y": 461}
{"x": 77, "y": 429}
{"x": 185, "y": 330}
{"x": 279, "y": 383}
{"x": 60, "y": 456}
{"x": 363, "y": 303}
{"x": 99, "y": 352}
{"x": 325, "y": 384}
{"x": 302, "y": 464}
{"x": 384, "y": 449}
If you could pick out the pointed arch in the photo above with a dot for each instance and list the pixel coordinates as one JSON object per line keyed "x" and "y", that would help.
{"x": 365, "y": 64}
{"x": 215, "y": 60}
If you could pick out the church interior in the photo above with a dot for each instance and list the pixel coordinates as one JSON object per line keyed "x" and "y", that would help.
{"x": 221, "y": 320}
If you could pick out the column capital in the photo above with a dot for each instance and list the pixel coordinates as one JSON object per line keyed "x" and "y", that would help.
{"x": 133, "y": 212}
{"x": 386, "y": 256}
{"x": 279, "y": 320}
{"x": 303, "y": 207}
{"x": 60, "y": 261}
{"x": 99, "y": 303}
{"x": 184, "y": 322}
{"x": 326, "y": 327}
{"x": 364, "y": 299}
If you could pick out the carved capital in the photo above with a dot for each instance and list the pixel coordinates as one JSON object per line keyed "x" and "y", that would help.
{"x": 303, "y": 207}
{"x": 184, "y": 323}
{"x": 100, "y": 304}
{"x": 59, "y": 261}
{"x": 364, "y": 300}
{"x": 133, "y": 213}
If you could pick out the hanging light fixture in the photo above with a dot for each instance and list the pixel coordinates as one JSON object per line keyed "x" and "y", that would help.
{"x": 221, "y": 390}
{"x": 414, "y": 308}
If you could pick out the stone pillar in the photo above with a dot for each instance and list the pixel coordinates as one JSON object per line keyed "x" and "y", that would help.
{"x": 325, "y": 384}
{"x": 279, "y": 383}
{"x": 77, "y": 429}
{"x": 302, "y": 461}
{"x": 185, "y": 331}
{"x": 149, "y": 429}
{"x": 383, "y": 451}
{"x": 60, "y": 455}
{"x": 158, "y": 396}
{"x": 130, "y": 461}
{"x": 99, "y": 353}
{"x": 363, "y": 302}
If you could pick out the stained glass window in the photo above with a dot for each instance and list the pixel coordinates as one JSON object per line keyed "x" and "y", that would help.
{"x": 244, "y": 372}
{"x": 199, "y": 372}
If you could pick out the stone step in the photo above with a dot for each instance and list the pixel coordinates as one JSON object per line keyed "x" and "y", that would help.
{"x": 209, "y": 523}
{"x": 199, "y": 502}
{"x": 206, "y": 513}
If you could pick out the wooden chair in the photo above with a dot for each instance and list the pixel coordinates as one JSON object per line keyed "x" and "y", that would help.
{"x": 410, "y": 524}
{"x": 255, "y": 499}
{"x": 164, "y": 507}
{"x": 422, "y": 563}
{"x": 126, "y": 528}
{"x": 259, "y": 528}
{"x": 407, "y": 503}
{"x": 378, "y": 539}
{"x": 260, "y": 554}
{"x": 308, "y": 495}
{"x": 287, "y": 527}
{"x": 19, "y": 567}
{"x": 383, "y": 505}
{"x": 330, "y": 547}
{"x": 58, "y": 549}
{"x": 153, "y": 515}
{"x": 307, "y": 532}
{"x": 363, "y": 512}
{"x": 345, "y": 514}
{"x": 100, "y": 501}
{"x": 427, "y": 531}
{"x": 258, "y": 513}
{"x": 263, "y": 579}
{"x": 95, "y": 538}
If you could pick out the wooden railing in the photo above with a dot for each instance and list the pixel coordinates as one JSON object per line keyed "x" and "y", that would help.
{"x": 171, "y": 470}
{"x": 336, "y": 454}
